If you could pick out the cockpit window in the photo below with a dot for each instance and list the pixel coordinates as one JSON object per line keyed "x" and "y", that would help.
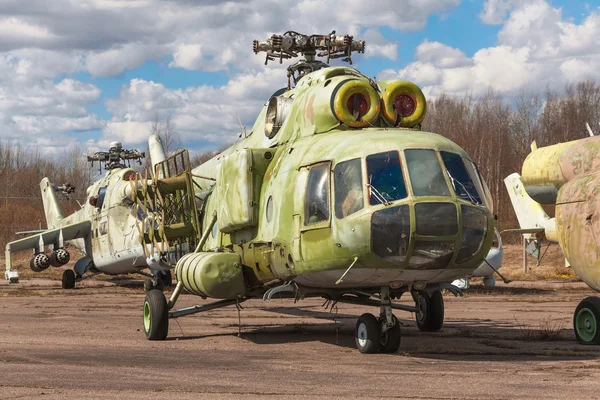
{"x": 386, "y": 182}
{"x": 463, "y": 185}
{"x": 316, "y": 206}
{"x": 348, "y": 188}
{"x": 425, "y": 173}
{"x": 101, "y": 196}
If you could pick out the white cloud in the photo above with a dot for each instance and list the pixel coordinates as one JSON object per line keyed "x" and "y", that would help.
{"x": 204, "y": 112}
{"x": 536, "y": 47}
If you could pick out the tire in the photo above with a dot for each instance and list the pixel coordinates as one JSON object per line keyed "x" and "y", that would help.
{"x": 156, "y": 315}
{"x": 390, "y": 341}
{"x": 586, "y": 321}
{"x": 436, "y": 311}
{"x": 430, "y": 312}
{"x": 68, "y": 279}
{"x": 367, "y": 334}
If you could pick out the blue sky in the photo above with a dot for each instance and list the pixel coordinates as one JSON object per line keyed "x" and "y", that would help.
{"x": 93, "y": 71}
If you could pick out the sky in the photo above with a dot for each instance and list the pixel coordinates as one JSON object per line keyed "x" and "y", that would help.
{"x": 96, "y": 71}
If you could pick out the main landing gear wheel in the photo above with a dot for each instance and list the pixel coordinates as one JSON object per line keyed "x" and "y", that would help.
{"x": 430, "y": 311}
{"x": 367, "y": 334}
{"x": 586, "y": 321}
{"x": 68, "y": 279}
{"x": 390, "y": 339}
{"x": 156, "y": 315}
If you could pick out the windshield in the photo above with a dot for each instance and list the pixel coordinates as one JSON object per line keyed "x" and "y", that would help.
{"x": 348, "y": 188}
{"x": 385, "y": 179}
{"x": 463, "y": 185}
{"x": 425, "y": 173}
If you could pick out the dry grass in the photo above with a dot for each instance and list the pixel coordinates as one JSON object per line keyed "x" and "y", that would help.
{"x": 552, "y": 266}
{"x": 548, "y": 330}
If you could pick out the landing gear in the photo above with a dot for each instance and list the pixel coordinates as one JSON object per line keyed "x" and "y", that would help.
{"x": 156, "y": 315}
{"x": 374, "y": 335}
{"x": 430, "y": 311}
{"x": 160, "y": 281}
{"x": 390, "y": 339}
{"x": 586, "y": 321}
{"x": 165, "y": 278}
{"x": 367, "y": 333}
{"x": 68, "y": 279}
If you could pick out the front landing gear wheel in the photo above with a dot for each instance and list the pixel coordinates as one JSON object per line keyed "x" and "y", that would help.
{"x": 367, "y": 334}
{"x": 390, "y": 340}
{"x": 156, "y": 315}
{"x": 430, "y": 311}
{"x": 586, "y": 321}
{"x": 68, "y": 279}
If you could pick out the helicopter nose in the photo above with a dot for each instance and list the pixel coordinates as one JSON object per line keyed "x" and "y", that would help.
{"x": 435, "y": 236}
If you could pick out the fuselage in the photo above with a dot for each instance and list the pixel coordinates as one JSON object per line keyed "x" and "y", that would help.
{"x": 568, "y": 175}
{"x": 399, "y": 205}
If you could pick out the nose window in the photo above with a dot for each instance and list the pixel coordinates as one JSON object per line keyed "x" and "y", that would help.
{"x": 425, "y": 173}
{"x": 348, "y": 188}
{"x": 461, "y": 181}
{"x": 386, "y": 182}
{"x": 436, "y": 219}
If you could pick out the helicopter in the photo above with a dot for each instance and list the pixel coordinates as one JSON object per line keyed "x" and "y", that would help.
{"x": 564, "y": 175}
{"x": 336, "y": 193}
{"x": 104, "y": 229}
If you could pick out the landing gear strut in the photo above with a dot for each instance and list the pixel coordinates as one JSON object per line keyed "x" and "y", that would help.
{"x": 381, "y": 334}
{"x": 160, "y": 281}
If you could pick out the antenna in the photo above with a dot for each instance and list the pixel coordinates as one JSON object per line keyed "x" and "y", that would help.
{"x": 589, "y": 129}
{"x": 242, "y": 127}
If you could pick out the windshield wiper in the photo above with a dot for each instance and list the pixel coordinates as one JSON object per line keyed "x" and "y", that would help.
{"x": 377, "y": 195}
{"x": 462, "y": 186}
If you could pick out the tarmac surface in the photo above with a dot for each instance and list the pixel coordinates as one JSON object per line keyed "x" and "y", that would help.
{"x": 89, "y": 343}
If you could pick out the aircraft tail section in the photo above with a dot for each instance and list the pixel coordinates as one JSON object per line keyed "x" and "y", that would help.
{"x": 530, "y": 213}
{"x": 51, "y": 207}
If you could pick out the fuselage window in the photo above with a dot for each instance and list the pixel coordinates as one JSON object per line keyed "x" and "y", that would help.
{"x": 316, "y": 206}
{"x": 101, "y": 196}
{"x": 425, "y": 172}
{"x": 463, "y": 185}
{"x": 385, "y": 179}
{"x": 348, "y": 188}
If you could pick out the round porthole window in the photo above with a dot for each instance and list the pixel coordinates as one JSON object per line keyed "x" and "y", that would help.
{"x": 269, "y": 209}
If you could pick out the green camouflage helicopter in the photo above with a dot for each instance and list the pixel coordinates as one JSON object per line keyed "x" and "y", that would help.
{"x": 336, "y": 192}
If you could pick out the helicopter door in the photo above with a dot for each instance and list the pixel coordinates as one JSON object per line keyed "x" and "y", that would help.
{"x": 100, "y": 226}
{"x": 313, "y": 215}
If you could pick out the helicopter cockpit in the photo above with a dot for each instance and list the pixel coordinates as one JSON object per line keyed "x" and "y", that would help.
{"x": 441, "y": 193}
